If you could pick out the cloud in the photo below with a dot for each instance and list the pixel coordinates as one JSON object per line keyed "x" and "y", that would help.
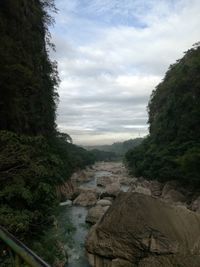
{"x": 111, "y": 54}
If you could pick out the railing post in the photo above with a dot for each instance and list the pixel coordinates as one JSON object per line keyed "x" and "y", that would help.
{"x": 21, "y": 252}
{"x": 17, "y": 260}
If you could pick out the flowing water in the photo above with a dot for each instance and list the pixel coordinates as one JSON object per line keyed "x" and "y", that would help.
{"x": 75, "y": 237}
{"x": 77, "y": 215}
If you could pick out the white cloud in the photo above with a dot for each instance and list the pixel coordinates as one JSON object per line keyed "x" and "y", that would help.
{"x": 109, "y": 69}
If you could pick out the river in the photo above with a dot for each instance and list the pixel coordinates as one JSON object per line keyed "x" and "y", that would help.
{"x": 77, "y": 215}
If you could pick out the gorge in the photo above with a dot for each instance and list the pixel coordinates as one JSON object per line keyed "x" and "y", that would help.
{"x": 132, "y": 203}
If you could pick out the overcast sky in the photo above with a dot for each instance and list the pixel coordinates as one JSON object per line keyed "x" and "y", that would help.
{"x": 111, "y": 54}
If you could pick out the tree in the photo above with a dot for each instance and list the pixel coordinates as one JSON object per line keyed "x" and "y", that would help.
{"x": 172, "y": 149}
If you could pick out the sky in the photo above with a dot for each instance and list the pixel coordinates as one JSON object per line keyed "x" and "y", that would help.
{"x": 111, "y": 54}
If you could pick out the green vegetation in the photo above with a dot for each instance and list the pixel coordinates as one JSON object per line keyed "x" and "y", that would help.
{"x": 28, "y": 78}
{"x": 172, "y": 149}
{"x": 34, "y": 157}
{"x": 117, "y": 150}
{"x": 30, "y": 169}
{"x": 101, "y": 155}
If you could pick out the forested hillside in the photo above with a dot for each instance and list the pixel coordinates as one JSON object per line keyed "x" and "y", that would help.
{"x": 172, "y": 149}
{"x": 28, "y": 78}
{"x": 34, "y": 156}
{"x": 119, "y": 148}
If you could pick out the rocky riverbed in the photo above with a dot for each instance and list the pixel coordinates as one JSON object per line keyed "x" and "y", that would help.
{"x": 106, "y": 197}
{"x": 85, "y": 198}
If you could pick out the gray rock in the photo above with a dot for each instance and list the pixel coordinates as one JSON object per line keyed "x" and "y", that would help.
{"x": 156, "y": 188}
{"x": 174, "y": 196}
{"x": 113, "y": 189}
{"x": 104, "y": 181}
{"x": 137, "y": 226}
{"x": 195, "y": 205}
{"x": 104, "y": 202}
{"x": 121, "y": 263}
{"x": 86, "y": 199}
{"x": 143, "y": 190}
{"x": 95, "y": 214}
{"x": 170, "y": 185}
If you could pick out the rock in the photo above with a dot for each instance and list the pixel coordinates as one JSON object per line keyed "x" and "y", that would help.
{"x": 81, "y": 176}
{"x": 86, "y": 190}
{"x": 195, "y": 205}
{"x": 156, "y": 188}
{"x": 104, "y": 202}
{"x": 125, "y": 180}
{"x": 146, "y": 184}
{"x": 111, "y": 190}
{"x": 134, "y": 183}
{"x": 142, "y": 190}
{"x": 170, "y": 261}
{"x": 173, "y": 196}
{"x": 104, "y": 181}
{"x": 138, "y": 226}
{"x": 121, "y": 263}
{"x": 66, "y": 203}
{"x": 95, "y": 214}
{"x": 86, "y": 199}
{"x": 97, "y": 261}
{"x": 66, "y": 191}
{"x": 169, "y": 186}
{"x": 109, "y": 198}
{"x": 89, "y": 173}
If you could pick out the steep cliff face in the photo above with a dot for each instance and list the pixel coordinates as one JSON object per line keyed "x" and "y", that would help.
{"x": 143, "y": 231}
{"x": 27, "y": 77}
{"x": 172, "y": 149}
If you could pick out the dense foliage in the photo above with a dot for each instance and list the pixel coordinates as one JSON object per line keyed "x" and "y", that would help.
{"x": 172, "y": 149}
{"x": 100, "y": 155}
{"x": 30, "y": 169}
{"x": 28, "y": 78}
{"x": 119, "y": 148}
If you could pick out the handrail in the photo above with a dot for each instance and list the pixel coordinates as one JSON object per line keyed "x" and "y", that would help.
{"x": 21, "y": 251}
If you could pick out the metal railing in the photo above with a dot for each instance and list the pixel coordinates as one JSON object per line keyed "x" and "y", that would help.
{"x": 18, "y": 252}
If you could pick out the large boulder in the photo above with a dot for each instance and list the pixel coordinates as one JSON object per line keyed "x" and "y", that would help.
{"x": 174, "y": 196}
{"x": 95, "y": 214}
{"x": 104, "y": 181}
{"x": 170, "y": 261}
{"x": 98, "y": 261}
{"x": 104, "y": 202}
{"x": 121, "y": 263}
{"x": 86, "y": 199}
{"x": 81, "y": 176}
{"x": 138, "y": 226}
{"x": 86, "y": 190}
{"x": 143, "y": 190}
{"x": 111, "y": 190}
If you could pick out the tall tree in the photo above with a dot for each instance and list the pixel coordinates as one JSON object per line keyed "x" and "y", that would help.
{"x": 28, "y": 78}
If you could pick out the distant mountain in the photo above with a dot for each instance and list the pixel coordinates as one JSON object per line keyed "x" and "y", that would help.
{"x": 119, "y": 148}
